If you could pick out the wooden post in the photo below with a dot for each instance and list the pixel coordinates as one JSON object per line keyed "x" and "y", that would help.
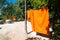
{"x": 25, "y": 18}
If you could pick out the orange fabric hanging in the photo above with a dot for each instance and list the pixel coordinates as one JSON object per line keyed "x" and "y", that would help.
{"x": 39, "y": 20}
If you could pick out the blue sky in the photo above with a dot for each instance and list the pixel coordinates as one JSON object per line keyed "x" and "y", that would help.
{"x": 11, "y": 1}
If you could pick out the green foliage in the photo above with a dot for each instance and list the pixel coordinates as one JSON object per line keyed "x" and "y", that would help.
{"x": 36, "y": 4}
{"x": 7, "y": 10}
{"x": 54, "y": 8}
{"x": 14, "y": 10}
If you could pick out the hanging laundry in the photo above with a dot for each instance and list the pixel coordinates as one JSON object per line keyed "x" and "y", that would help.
{"x": 39, "y": 20}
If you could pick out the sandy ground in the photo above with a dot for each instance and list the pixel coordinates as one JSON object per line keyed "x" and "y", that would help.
{"x": 14, "y": 31}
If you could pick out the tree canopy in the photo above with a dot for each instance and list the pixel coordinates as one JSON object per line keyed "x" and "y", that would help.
{"x": 16, "y": 9}
{"x": 36, "y": 4}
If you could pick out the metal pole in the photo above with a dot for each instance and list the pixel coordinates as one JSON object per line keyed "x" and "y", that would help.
{"x": 25, "y": 18}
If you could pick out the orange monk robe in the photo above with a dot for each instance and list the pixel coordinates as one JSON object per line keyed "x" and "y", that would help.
{"x": 39, "y": 20}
